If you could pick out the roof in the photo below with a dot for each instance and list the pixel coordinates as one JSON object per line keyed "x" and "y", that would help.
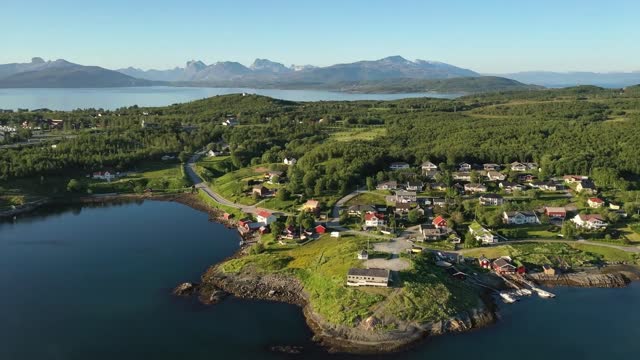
{"x": 362, "y": 208}
{"x": 523, "y": 213}
{"x": 555, "y": 209}
{"x": 501, "y": 262}
{"x": 596, "y": 200}
{"x": 490, "y": 196}
{"x": 370, "y": 216}
{"x": 263, "y": 213}
{"x": 438, "y": 220}
{"x": 312, "y": 203}
{"x": 320, "y": 226}
{"x": 587, "y": 183}
{"x": 590, "y": 217}
{"x": 406, "y": 193}
{"x": 369, "y": 272}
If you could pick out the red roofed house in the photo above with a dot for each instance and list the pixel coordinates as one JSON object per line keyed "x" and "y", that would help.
{"x": 439, "y": 222}
{"x": 595, "y": 202}
{"x": 320, "y": 229}
{"x": 372, "y": 219}
{"x": 264, "y": 217}
{"x": 555, "y": 212}
{"x": 591, "y": 221}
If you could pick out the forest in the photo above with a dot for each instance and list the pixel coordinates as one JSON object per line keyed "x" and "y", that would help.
{"x": 574, "y": 130}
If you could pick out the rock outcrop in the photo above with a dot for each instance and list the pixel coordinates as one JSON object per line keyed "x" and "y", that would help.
{"x": 583, "y": 279}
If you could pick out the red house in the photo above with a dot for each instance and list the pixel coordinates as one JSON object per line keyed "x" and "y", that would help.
{"x": 503, "y": 266}
{"x": 484, "y": 262}
{"x": 320, "y": 229}
{"x": 555, "y": 212}
{"x": 439, "y": 222}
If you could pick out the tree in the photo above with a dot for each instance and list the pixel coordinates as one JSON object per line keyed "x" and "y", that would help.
{"x": 475, "y": 177}
{"x": 470, "y": 241}
{"x": 291, "y": 221}
{"x": 74, "y": 186}
{"x": 276, "y": 228}
{"x": 283, "y": 194}
{"x": 413, "y": 216}
{"x": 568, "y": 230}
{"x": 183, "y": 156}
{"x": 370, "y": 183}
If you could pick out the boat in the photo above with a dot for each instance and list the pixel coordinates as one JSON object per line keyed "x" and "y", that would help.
{"x": 507, "y": 298}
{"x": 543, "y": 294}
{"x": 524, "y": 292}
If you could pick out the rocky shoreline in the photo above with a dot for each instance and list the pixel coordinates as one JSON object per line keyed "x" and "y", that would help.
{"x": 362, "y": 339}
{"x": 608, "y": 277}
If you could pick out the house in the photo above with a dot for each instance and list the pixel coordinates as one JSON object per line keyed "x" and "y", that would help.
{"x": 475, "y": 188}
{"x": 555, "y": 212}
{"x": 290, "y": 161}
{"x": 320, "y": 229}
{"x": 415, "y": 185}
{"x": 230, "y": 122}
{"x": 361, "y": 209}
{"x": 273, "y": 175}
{"x": 591, "y": 221}
{"x": 502, "y": 265}
{"x": 265, "y": 217}
{"x": 428, "y": 166}
{"x": 613, "y": 206}
{"x": 212, "y": 153}
{"x": 461, "y": 176}
{"x": 587, "y": 186}
{"x": 311, "y": 206}
{"x": 399, "y": 166}
{"x": 484, "y": 262}
{"x": 491, "y": 200}
{"x": 548, "y": 270}
{"x": 373, "y": 219}
{"x": 546, "y": 186}
{"x": 574, "y": 179}
{"x": 402, "y": 208}
{"x": 531, "y": 165}
{"x": 526, "y": 178}
{"x": 464, "y": 167}
{"x": 520, "y": 217}
{"x": 387, "y": 185}
{"x": 403, "y": 196}
{"x": 439, "y": 202}
{"x": 510, "y": 187}
{"x": 595, "y": 202}
{"x": 518, "y": 166}
{"x": 493, "y": 175}
{"x": 335, "y": 234}
{"x": 490, "y": 167}
{"x": 481, "y": 234}
{"x": 260, "y": 190}
{"x": 104, "y": 175}
{"x": 431, "y": 232}
{"x": 363, "y": 255}
{"x": 368, "y": 277}
{"x": 439, "y": 222}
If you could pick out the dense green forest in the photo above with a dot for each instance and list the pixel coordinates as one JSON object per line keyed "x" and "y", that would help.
{"x": 573, "y": 130}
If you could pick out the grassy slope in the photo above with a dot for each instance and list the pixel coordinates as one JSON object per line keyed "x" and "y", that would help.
{"x": 427, "y": 293}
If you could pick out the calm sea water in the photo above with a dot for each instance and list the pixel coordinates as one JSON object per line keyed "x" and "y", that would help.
{"x": 113, "y": 98}
{"x": 95, "y": 283}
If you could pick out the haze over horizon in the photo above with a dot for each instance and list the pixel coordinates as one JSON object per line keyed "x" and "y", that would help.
{"x": 492, "y": 37}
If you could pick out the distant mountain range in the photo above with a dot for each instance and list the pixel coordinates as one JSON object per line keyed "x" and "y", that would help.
{"x": 564, "y": 79}
{"x": 263, "y": 70}
{"x": 63, "y": 74}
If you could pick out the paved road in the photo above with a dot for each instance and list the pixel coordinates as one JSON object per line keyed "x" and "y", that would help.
{"x": 200, "y": 184}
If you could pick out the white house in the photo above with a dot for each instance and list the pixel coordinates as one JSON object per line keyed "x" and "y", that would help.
{"x": 104, "y": 175}
{"x": 428, "y": 166}
{"x": 591, "y": 221}
{"x": 387, "y": 185}
{"x": 518, "y": 166}
{"x": 520, "y": 217}
{"x": 493, "y": 175}
{"x": 595, "y": 202}
{"x": 464, "y": 167}
{"x": 403, "y": 196}
{"x": 290, "y": 161}
{"x": 372, "y": 219}
{"x": 481, "y": 234}
{"x": 491, "y": 200}
{"x": 264, "y": 217}
{"x": 399, "y": 166}
{"x": 475, "y": 188}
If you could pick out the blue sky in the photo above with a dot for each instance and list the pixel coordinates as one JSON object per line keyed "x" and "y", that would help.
{"x": 490, "y": 36}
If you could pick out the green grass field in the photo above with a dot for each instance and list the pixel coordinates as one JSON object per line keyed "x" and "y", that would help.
{"x": 159, "y": 176}
{"x": 368, "y": 133}
{"x": 369, "y": 198}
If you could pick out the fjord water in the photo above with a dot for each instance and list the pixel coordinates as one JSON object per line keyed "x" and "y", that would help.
{"x": 113, "y": 98}
{"x": 95, "y": 283}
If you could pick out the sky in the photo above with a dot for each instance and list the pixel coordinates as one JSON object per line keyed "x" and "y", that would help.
{"x": 488, "y": 36}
